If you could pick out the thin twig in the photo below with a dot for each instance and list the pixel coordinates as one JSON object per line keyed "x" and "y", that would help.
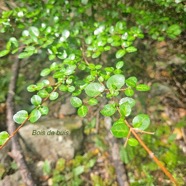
{"x": 127, "y": 138}
{"x": 151, "y": 154}
{"x": 13, "y": 133}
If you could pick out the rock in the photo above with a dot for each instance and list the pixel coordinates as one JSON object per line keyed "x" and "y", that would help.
{"x": 66, "y": 109}
{"x": 12, "y": 180}
{"x": 53, "y": 138}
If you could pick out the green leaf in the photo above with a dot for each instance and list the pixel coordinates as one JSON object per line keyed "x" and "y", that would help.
{"x": 108, "y": 110}
{"x": 131, "y": 49}
{"x": 70, "y": 70}
{"x": 119, "y": 129}
{"x": 94, "y": 89}
{"x": 119, "y": 64}
{"x": 43, "y": 93}
{"x": 173, "y": 31}
{"x": 31, "y": 88}
{"x": 96, "y": 54}
{"x": 120, "y": 53}
{"x": 66, "y": 34}
{"x": 127, "y": 154}
{"x": 72, "y": 56}
{"x": 40, "y": 85}
{"x": 128, "y": 100}
{"x": 129, "y": 92}
{"x": 133, "y": 142}
{"x": 3, "y": 137}
{"x": 14, "y": 41}
{"x": 53, "y": 96}
{"x": 71, "y": 89}
{"x": 45, "y": 72}
{"x": 4, "y": 53}
{"x": 142, "y": 87}
{"x": 34, "y": 115}
{"x": 46, "y": 82}
{"x": 46, "y": 167}
{"x": 141, "y": 121}
{"x": 92, "y": 101}
{"x": 36, "y": 100}
{"x": 115, "y": 81}
{"x": 20, "y": 116}
{"x": 63, "y": 88}
{"x": 89, "y": 40}
{"x": 25, "y": 54}
{"x": 76, "y": 102}
{"x": 44, "y": 110}
{"x": 53, "y": 66}
{"x": 82, "y": 111}
{"x": 125, "y": 109}
{"x": 58, "y": 75}
{"x": 34, "y": 31}
{"x": 131, "y": 81}
{"x": 78, "y": 170}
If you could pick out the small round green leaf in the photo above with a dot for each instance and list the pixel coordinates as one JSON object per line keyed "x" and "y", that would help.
{"x": 63, "y": 88}
{"x": 20, "y": 116}
{"x": 108, "y": 110}
{"x": 53, "y": 96}
{"x": 131, "y": 81}
{"x": 70, "y": 70}
{"x": 131, "y": 49}
{"x": 3, "y": 137}
{"x": 36, "y": 100}
{"x": 119, "y": 129}
{"x": 115, "y": 81}
{"x": 120, "y": 53}
{"x": 34, "y": 31}
{"x": 128, "y": 100}
{"x": 129, "y": 92}
{"x": 96, "y": 54}
{"x": 44, "y": 110}
{"x": 133, "y": 142}
{"x": 142, "y": 87}
{"x": 25, "y": 54}
{"x": 45, "y": 72}
{"x": 82, "y": 111}
{"x": 66, "y": 34}
{"x": 119, "y": 64}
{"x": 125, "y": 109}
{"x": 141, "y": 121}
{"x": 14, "y": 41}
{"x": 34, "y": 115}
{"x": 40, "y": 85}
{"x": 92, "y": 101}
{"x": 75, "y": 102}
{"x": 94, "y": 89}
{"x": 43, "y": 93}
{"x": 4, "y": 53}
{"x": 71, "y": 89}
{"x": 46, "y": 82}
{"x": 31, "y": 88}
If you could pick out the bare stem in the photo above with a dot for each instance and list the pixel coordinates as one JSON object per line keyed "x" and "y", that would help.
{"x": 151, "y": 154}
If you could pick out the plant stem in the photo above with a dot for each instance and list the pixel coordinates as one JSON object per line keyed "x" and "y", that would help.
{"x": 151, "y": 154}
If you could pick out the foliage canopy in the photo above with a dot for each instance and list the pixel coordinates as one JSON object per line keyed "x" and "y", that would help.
{"x": 84, "y": 44}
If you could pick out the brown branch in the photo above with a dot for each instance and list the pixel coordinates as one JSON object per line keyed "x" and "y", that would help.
{"x": 151, "y": 154}
{"x": 16, "y": 147}
{"x": 17, "y": 129}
